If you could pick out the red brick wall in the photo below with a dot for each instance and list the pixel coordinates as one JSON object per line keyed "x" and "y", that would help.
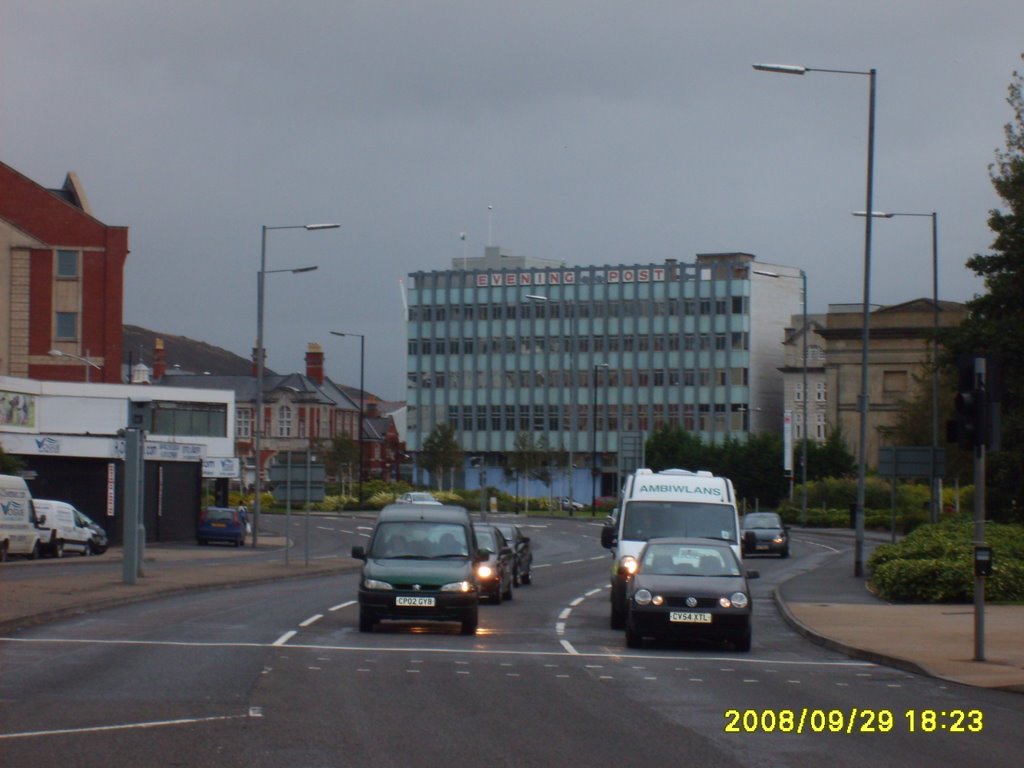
{"x": 50, "y": 219}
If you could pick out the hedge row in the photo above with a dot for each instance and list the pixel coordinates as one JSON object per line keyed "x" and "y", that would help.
{"x": 935, "y": 564}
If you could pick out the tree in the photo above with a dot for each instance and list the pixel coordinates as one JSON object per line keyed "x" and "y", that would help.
{"x": 995, "y": 318}
{"x": 9, "y": 465}
{"x": 830, "y": 459}
{"x": 441, "y": 452}
{"x": 529, "y": 459}
{"x": 341, "y": 457}
{"x": 672, "y": 446}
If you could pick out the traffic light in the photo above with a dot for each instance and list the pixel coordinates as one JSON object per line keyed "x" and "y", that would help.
{"x": 971, "y": 418}
{"x": 979, "y": 386}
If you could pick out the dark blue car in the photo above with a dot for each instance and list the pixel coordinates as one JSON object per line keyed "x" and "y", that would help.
{"x": 221, "y": 524}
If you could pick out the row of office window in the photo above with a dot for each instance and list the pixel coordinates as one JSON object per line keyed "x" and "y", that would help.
{"x": 539, "y": 418}
{"x": 582, "y": 378}
{"x": 189, "y": 419}
{"x": 736, "y": 341}
{"x": 553, "y": 310}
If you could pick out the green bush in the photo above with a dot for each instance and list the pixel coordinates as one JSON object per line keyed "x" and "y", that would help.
{"x": 935, "y": 563}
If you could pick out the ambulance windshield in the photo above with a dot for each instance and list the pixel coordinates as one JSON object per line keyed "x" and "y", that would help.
{"x": 660, "y": 519}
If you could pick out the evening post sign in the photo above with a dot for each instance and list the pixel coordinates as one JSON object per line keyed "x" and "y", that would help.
{"x": 566, "y": 277}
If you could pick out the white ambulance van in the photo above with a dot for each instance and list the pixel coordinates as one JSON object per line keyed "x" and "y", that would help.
{"x": 673, "y": 502}
{"x": 21, "y": 532}
{"x": 68, "y": 531}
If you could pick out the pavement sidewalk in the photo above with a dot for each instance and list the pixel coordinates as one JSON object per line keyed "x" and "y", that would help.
{"x": 826, "y": 603}
{"x": 833, "y": 607}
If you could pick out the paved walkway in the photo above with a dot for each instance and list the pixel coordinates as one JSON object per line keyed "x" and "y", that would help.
{"x": 827, "y": 604}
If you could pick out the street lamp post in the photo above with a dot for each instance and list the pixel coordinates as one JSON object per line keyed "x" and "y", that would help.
{"x": 593, "y": 471}
{"x": 362, "y": 408}
{"x": 803, "y": 447}
{"x": 260, "y": 280}
{"x": 934, "y": 216}
{"x": 84, "y": 360}
{"x": 858, "y": 559}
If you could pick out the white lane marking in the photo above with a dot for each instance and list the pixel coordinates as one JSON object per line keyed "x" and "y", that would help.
{"x": 573, "y": 562}
{"x": 126, "y": 726}
{"x": 311, "y": 620}
{"x": 593, "y": 592}
{"x": 816, "y": 544}
{"x": 565, "y": 614}
{"x": 319, "y": 528}
{"x": 541, "y": 565}
{"x": 568, "y": 647}
{"x": 339, "y": 606}
{"x": 285, "y": 637}
{"x": 577, "y": 601}
{"x": 560, "y": 628}
{"x": 647, "y": 658}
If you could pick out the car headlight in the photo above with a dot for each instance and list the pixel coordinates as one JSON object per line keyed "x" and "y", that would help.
{"x": 628, "y": 565}
{"x": 375, "y": 584}
{"x": 779, "y": 539}
{"x": 485, "y": 571}
{"x": 458, "y": 586}
{"x": 642, "y": 597}
{"x": 738, "y": 599}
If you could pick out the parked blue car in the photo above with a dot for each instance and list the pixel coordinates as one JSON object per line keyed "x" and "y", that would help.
{"x": 221, "y": 524}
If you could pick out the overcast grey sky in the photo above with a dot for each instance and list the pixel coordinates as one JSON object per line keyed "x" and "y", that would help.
{"x": 600, "y": 132}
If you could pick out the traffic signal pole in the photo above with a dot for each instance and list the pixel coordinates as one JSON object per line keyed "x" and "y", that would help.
{"x": 979, "y": 506}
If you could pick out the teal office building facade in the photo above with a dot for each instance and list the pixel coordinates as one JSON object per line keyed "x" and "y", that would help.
{"x": 588, "y": 361}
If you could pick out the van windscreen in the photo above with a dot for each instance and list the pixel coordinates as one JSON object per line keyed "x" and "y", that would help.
{"x": 645, "y": 520}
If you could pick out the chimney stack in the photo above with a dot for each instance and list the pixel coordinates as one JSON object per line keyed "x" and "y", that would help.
{"x": 159, "y": 360}
{"x": 255, "y": 362}
{"x": 315, "y": 362}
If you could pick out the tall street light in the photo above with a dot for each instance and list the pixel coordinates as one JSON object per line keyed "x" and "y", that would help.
{"x": 934, "y": 216}
{"x": 593, "y": 471}
{"x": 787, "y": 69}
{"x": 570, "y": 348}
{"x": 362, "y": 409}
{"x": 260, "y": 280}
{"x": 803, "y": 449}
{"x": 84, "y": 360}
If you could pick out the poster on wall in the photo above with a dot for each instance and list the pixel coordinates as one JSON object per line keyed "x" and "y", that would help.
{"x": 17, "y": 410}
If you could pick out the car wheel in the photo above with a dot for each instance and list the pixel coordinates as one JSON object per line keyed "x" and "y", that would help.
{"x": 87, "y": 549}
{"x": 516, "y": 579}
{"x": 366, "y": 621}
{"x": 57, "y": 548}
{"x": 508, "y": 592}
{"x": 633, "y": 638}
{"x": 618, "y": 620}
{"x": 469, "y": 626}
{"x": 784, "y": 553}
{"x": 742, "y": 642}
{"x": 497, "y": 597}
{"x": 35, "y": 551}
{"x": 526, "y": 578}
{"x": 3, "y": 552}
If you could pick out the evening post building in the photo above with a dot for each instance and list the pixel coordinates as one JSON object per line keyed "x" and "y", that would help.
{"x": 594, "y": 359}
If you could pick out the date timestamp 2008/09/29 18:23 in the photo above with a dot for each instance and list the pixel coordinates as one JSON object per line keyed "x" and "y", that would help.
{"x": 854, "y": 720}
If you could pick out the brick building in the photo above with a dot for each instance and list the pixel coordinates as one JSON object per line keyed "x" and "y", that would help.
{"x": 61, "y": 283}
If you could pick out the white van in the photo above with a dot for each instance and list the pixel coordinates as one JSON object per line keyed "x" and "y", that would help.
{"x": 68, "y": 531}
{"x": 673, "y": 502}
{"x": 21, "y": 532}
